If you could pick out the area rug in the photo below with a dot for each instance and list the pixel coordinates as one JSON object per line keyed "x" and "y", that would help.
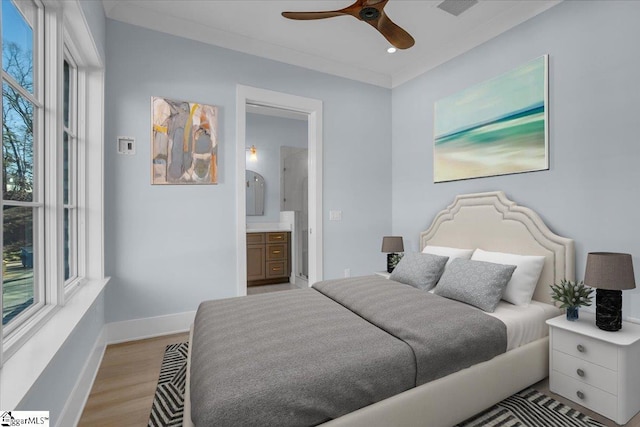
{"x": 168, "y": 402}
{"x": 529, "y": 408}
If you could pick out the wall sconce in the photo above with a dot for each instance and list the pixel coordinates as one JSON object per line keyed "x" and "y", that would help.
{"x": 253, "y": 156}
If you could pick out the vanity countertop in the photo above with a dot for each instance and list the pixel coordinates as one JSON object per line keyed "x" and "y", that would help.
{"x": 270, "y": 229}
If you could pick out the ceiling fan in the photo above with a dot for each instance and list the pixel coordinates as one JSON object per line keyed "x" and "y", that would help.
{"x": 369, "y": 11}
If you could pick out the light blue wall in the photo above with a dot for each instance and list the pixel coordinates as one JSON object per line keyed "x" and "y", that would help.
{"x": 54, "y": 386}
{"x": 268, "y": 134}
{"x": 591, "y": 191}
{"x": 170, "y": 247}
{"x": 95, "y": 17}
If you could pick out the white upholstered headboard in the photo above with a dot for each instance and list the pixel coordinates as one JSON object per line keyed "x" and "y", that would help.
{"x": 492, "y": 222}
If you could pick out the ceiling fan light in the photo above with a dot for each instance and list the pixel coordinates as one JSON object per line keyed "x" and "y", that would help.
{"x": 392, "y": 50}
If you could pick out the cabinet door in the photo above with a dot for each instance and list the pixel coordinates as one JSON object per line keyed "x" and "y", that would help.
{"x": 255, "y": 263}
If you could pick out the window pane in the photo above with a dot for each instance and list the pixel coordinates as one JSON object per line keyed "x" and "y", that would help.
{"x": 17, "y": 46}
{"x": 17, "y": 262}
{"x": 67, "y": 244}
{"x": 17, "y": 145}
{"x": 66, "y": 150}
{"x": 67, "y": 89}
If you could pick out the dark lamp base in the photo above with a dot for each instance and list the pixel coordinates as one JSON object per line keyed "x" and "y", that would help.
{"x": 608, "y": 309}
{"x": 390, "y": 263}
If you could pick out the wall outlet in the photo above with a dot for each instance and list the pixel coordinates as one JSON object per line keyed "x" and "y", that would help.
{"x": 347, "y": 272}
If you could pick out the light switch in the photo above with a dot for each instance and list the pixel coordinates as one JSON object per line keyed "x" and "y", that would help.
{"x": 335, "y": 215}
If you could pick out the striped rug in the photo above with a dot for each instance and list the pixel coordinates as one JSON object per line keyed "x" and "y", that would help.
{"x": 529, "y": 408}
{"x": 168, "y": 402}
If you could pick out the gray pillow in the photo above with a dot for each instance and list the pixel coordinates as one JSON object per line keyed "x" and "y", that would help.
{"x": 419, "y": 270}
{"x": 478, "y": 283}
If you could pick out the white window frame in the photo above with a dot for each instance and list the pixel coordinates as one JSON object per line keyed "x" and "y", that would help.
{"x": 21, "y": 322}
{"x": 78, "y": 169}
{"x": 54, "y": 44}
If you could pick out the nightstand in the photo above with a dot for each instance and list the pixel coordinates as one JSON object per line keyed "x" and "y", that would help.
{"x": 383, "y": 274}
{"x": 596, "y": 368}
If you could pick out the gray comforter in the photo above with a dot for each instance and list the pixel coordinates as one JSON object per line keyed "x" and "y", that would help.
{"x": 303, "y": 357}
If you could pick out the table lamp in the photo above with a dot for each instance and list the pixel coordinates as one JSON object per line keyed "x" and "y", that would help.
{"x": 391, "y": 245}
{"x": 609, "y": 273}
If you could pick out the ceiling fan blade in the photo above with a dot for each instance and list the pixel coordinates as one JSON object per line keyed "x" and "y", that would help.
{"x": 392, "y": 32}
{"x": 349, "y": 10}
{"x": 312, "y": 15}
{"x": 370, "y": 11}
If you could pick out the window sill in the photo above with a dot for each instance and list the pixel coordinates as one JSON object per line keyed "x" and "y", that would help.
{"x": 23, "y": 368}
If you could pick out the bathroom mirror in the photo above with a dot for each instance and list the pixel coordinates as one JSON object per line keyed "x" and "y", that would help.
{"x": 255, "y": 193}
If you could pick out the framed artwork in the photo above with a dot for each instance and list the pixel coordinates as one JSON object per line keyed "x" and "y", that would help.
{"x": 184, "y": 139}
{"x": 497, "y": 127}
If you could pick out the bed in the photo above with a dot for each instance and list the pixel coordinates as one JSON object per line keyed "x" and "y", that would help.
{"x": 487, "y": 220}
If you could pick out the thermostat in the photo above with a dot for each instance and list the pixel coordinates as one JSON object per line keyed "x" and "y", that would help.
{"x": 126, "y": 145}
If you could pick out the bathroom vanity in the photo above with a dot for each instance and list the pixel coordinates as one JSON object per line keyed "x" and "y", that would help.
{"x": 268, "y": 257}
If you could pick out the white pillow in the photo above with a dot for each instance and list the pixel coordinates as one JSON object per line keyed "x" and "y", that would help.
{"x": 452, "y": 253}
{"x": 523, "y": 282}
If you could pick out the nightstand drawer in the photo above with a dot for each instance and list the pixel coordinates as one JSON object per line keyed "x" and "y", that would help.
{"x": 584, "y": 394}
{"x": 585, "y": 372}
{"x": 585, "y": 348}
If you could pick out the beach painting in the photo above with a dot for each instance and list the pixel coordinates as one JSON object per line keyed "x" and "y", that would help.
{"x": 184, "y": 139}
{"x": 497, "y": 127}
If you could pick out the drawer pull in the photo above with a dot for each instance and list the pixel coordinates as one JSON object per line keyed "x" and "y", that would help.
{"x": 277, "y": 237}
{"x": 276, "y": 269}
{"x": 580, "y": 348}
{"x": 580, "y": 395}
{"x": 275, "y": 252}
{"x": 580, "y": 373}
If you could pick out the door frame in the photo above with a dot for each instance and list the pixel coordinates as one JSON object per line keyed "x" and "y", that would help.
{"x": 313, "y": 109}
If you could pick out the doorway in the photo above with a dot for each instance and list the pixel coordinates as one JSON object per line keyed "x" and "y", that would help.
{"x": 312, "y": 108}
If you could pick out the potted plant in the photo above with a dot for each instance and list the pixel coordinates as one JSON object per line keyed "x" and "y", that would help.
{"x": 571, "y": 296}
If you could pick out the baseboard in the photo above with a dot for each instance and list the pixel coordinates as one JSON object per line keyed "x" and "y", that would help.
{"x": 113, "y": 333}
{"x": 150, "y": 327}
{"x": 72, "y": 411}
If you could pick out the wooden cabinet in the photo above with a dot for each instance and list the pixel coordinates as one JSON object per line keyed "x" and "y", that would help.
{"x": 255, "y": 257}
{"x": 595, "y": 368}
{"x": 268, "y": 258}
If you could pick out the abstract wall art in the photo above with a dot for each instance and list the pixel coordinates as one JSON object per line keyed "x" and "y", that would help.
{"x": 184, "y": 142}
{"x": 497, "y": 127}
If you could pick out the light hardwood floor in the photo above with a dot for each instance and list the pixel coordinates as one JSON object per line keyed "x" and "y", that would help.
{"x": 123, "y": 390}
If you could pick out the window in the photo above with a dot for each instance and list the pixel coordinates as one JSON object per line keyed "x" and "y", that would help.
{"x": 70, "y": 170}
{"x": 22, "y": 196}
{"x": 45, "y": 85}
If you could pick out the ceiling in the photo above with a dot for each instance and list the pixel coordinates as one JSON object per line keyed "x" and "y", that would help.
{"x": 342, "y": 46}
